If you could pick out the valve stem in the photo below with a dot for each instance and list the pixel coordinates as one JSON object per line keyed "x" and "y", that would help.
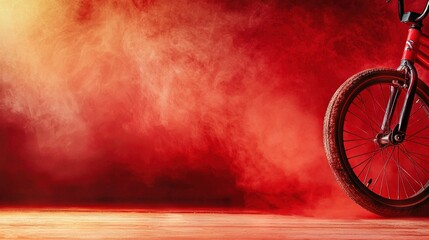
{"x": 369, "y": 182}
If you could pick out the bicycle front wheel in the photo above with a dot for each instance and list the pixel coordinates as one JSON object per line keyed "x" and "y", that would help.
{"x": 389, "y": 180}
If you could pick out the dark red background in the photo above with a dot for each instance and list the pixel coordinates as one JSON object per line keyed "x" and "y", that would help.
{"x": 180, "y": 103}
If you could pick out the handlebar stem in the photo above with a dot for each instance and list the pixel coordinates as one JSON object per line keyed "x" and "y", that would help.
{"x": 410, "y": 16}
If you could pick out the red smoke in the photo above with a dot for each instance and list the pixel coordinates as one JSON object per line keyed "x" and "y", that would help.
{"x": 202, "y": 103}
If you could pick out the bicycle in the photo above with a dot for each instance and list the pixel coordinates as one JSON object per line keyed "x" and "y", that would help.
{"x": 376, "y": 131}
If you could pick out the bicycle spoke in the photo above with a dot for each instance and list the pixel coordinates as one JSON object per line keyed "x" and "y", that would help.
{"x": 354, "y": 134}
{"x": 366, "y": 160}
{"x": 399, "y": 175}
{"x": 369, "y": 169}
{"x": 358, "y": 128}
{"x": 417, "y": 121}
{"x": 366, "y": 113}
{"x": 383, "y": 169}
{"x": 416, "y": 165}
{"x": 415, "y": 180}
{"x": 405, "y": 152}
{"x": 417, "y": 110}
{"x": 376, "y": 102}
{"x": 419, "y": 131}
{"x": 362, "y": 120}
{"x": 418, "y": 143}
{"x": 361, "y": 139}
{"x": 387, "y": 184}
{"x": 408, "y": 181}
{"x": 384, "y": 178}
{"x": 421, "y": 137}
{"x": 418, "y": 156}
{"x": 403, "y": 184}
{"x": 362, "y": 154}
{"x": 359, "y": 145}
{"x": 383, "y": 97}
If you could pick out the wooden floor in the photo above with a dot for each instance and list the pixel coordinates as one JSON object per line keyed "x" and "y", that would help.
{"x": 130, "y": 224}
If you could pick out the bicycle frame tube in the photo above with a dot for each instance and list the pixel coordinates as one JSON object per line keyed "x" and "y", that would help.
{"x": 412, "y": 45}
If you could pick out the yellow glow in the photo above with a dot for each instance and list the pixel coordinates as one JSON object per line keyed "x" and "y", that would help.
{"x": 17, "y": 17}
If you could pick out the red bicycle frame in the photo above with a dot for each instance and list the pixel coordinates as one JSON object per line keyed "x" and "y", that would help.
{"x": 416, "y": 51}
{"x": 417, "y": 48}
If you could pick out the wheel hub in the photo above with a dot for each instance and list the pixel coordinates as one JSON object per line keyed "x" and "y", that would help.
{"x": 389, "y": 138}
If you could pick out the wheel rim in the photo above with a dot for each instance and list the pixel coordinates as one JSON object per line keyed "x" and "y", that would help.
{"x": 394, "y": 174}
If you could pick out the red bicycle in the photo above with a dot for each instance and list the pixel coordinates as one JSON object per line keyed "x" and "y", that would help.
{"x": 376, "y": 131}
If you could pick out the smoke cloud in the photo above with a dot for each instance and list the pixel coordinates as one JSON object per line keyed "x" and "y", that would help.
{"x": 197, "y": 103}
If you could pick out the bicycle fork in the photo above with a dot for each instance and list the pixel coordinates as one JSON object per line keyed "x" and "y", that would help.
{"x": 397, "y": 135}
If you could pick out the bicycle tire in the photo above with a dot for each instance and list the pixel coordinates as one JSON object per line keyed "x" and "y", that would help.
{"x": 338, "y": 118}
